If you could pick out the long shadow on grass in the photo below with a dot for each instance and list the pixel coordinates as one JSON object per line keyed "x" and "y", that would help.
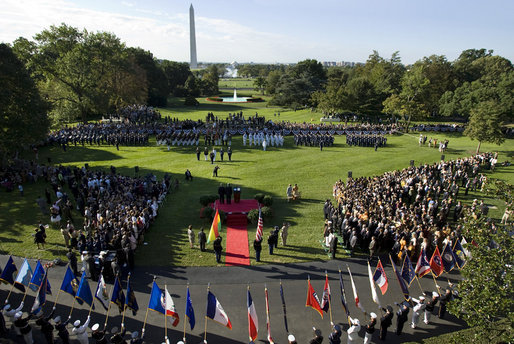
{"x": 77, "y": 153}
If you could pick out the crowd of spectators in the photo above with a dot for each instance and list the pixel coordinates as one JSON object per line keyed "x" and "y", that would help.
{"x": 407, "y": 210}
{"x": 137, "y": 114}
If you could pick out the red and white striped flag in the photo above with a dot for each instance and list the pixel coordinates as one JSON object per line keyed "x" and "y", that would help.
{"x": 260, "y": 226}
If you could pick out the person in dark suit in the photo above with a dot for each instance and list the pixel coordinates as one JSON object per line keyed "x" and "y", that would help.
{"x": 202, "y": 239}
{"x": 221, "y": 192}
{"x": 46, "y": 328}
{"x": 385, "y": 321}
{"x": 218, "y": 248}
{"x": 62, "y": 331}
{"x": 229, "y": 153}
{"x": 228, "y": 193}
{"x": 401, "y": 317}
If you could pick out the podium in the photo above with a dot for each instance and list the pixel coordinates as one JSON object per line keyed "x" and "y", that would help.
{"x": 237, "y": 195}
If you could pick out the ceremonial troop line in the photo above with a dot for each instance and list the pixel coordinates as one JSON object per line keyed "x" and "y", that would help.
{"x": 366, "y": 140}
{"x": 160, "y": 301}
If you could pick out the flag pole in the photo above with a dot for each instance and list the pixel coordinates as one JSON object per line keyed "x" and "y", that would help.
{"x": 205, "y": 329}
{"x": 417, "y": 279}
{"x": 57, "y": 297}
{"x": 125, "y": 305}
{"x": 25, "y": 295}
{"x": 435, "y": 282}
{"x": 9, "y": 295}
{"x": 109, "y": 308}
{"x": 165, "y": 317}
{"x": 91, "y": 307}
{"x": 185, "y": 316}
{"x": 347, "y": 316}
{"x": 146, "y": 315}
{"x": 329, "y": 301}
{"x": 72, "y": 306}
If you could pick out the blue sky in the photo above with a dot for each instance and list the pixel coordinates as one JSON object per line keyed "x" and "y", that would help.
{"x": 279, "y": 30}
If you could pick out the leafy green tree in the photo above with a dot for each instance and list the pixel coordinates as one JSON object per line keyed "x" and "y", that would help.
{"x": 485, "y": 124}
{"x": 82, "y": 73}
{"x": 408, "y": 103}
{"x": 272, "y": 81}
{"x": 260, "y": 84}
{"x": 486, "y": 293}
{"x": 23, "y": 119}
{"x": 156, "y": 79}
{"x": 177, "y": 74}
{"x": 210, "y": 80}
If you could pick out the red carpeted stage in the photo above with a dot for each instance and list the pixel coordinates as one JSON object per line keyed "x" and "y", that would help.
{"x": 244, "y": 206}
{"x": 237, "y": 251}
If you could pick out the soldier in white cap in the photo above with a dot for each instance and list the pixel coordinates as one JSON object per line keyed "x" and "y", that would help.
{"x": 98, "y": 335}
{"x": 22, "y": 324}
{"x": 353, "y": 331}
{"x": 430, "y": 305}
{"x": 291, "y": 339}
{"x": 81, "y": 331}
{"x": 10, "y": 313}
{"x": 417, "y": 309}
{"x": 370, "y": 328}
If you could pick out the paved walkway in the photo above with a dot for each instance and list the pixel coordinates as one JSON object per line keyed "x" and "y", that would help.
{"x": 229, "y": 284}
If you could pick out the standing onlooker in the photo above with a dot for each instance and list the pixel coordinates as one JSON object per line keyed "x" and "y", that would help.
{"x": 272, "y": 241}
{"x": 218, "y": 248}
{"x": 191, "y": 236}
{"x": 202, "y": 239}
{"x": 257, "y": 245}
{"x": 284, "y": 233}
{"x": 229, "y": 153}
{"x": 39, "y": 238}
{"x": 72, "y": 258}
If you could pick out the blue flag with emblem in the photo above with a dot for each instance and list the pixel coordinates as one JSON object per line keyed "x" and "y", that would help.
{"x": 40, "y": 299}
{"x": 448, "y": 258}
{"x": 8, "y": 272}
{"x": 37, "y": 279}
{"x": 408, "y": 273}
{"x": 190, "y": 313}
{"x": 70, "y": 284}
{"x": 118, "y": 297}
{"x": 458, "y": 252}
{"x": 84, "y": 292}
{"x": 156, "y": 299}
{"x": 131, "y": 301}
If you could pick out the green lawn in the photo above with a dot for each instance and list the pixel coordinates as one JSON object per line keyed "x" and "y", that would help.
{"x": 254, "y": 170}
{"x": 236, "y": 83}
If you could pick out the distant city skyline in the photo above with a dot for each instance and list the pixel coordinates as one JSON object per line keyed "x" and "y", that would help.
{"x": 278, "y": 31}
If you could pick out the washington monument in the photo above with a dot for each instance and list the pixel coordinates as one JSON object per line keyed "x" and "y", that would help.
{"x": 192, "y": 38}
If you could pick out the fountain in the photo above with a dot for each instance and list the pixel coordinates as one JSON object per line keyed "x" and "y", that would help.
{"x": 235, "y": 98}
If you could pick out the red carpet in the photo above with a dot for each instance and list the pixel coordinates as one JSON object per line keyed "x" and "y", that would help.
{"x": 237, "y": 252}
{"x": 244, "y": 206}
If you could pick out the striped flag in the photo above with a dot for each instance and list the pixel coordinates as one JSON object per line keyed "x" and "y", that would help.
{"x": 357, "y": 301}
{"x": 260, "y": 226}
{"x": 380, "y": 277}
{"x": 253, "y": 322}
{"x": 169, "y": 306}
{"x": 374, "y": 294}
{"x": 325, "y": 300}
{"x": 422, "y": 266}
{"x": 215, "y": 228}
{"x": 216, "y": 312}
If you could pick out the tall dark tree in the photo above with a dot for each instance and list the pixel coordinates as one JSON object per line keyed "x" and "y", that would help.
{"x": 156, "y": 79}
{"x": 23, "y": 113}
{"x": 177, "y": 73}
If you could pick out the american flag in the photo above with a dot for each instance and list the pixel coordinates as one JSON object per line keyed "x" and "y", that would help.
{"x": 260, "y": 225}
